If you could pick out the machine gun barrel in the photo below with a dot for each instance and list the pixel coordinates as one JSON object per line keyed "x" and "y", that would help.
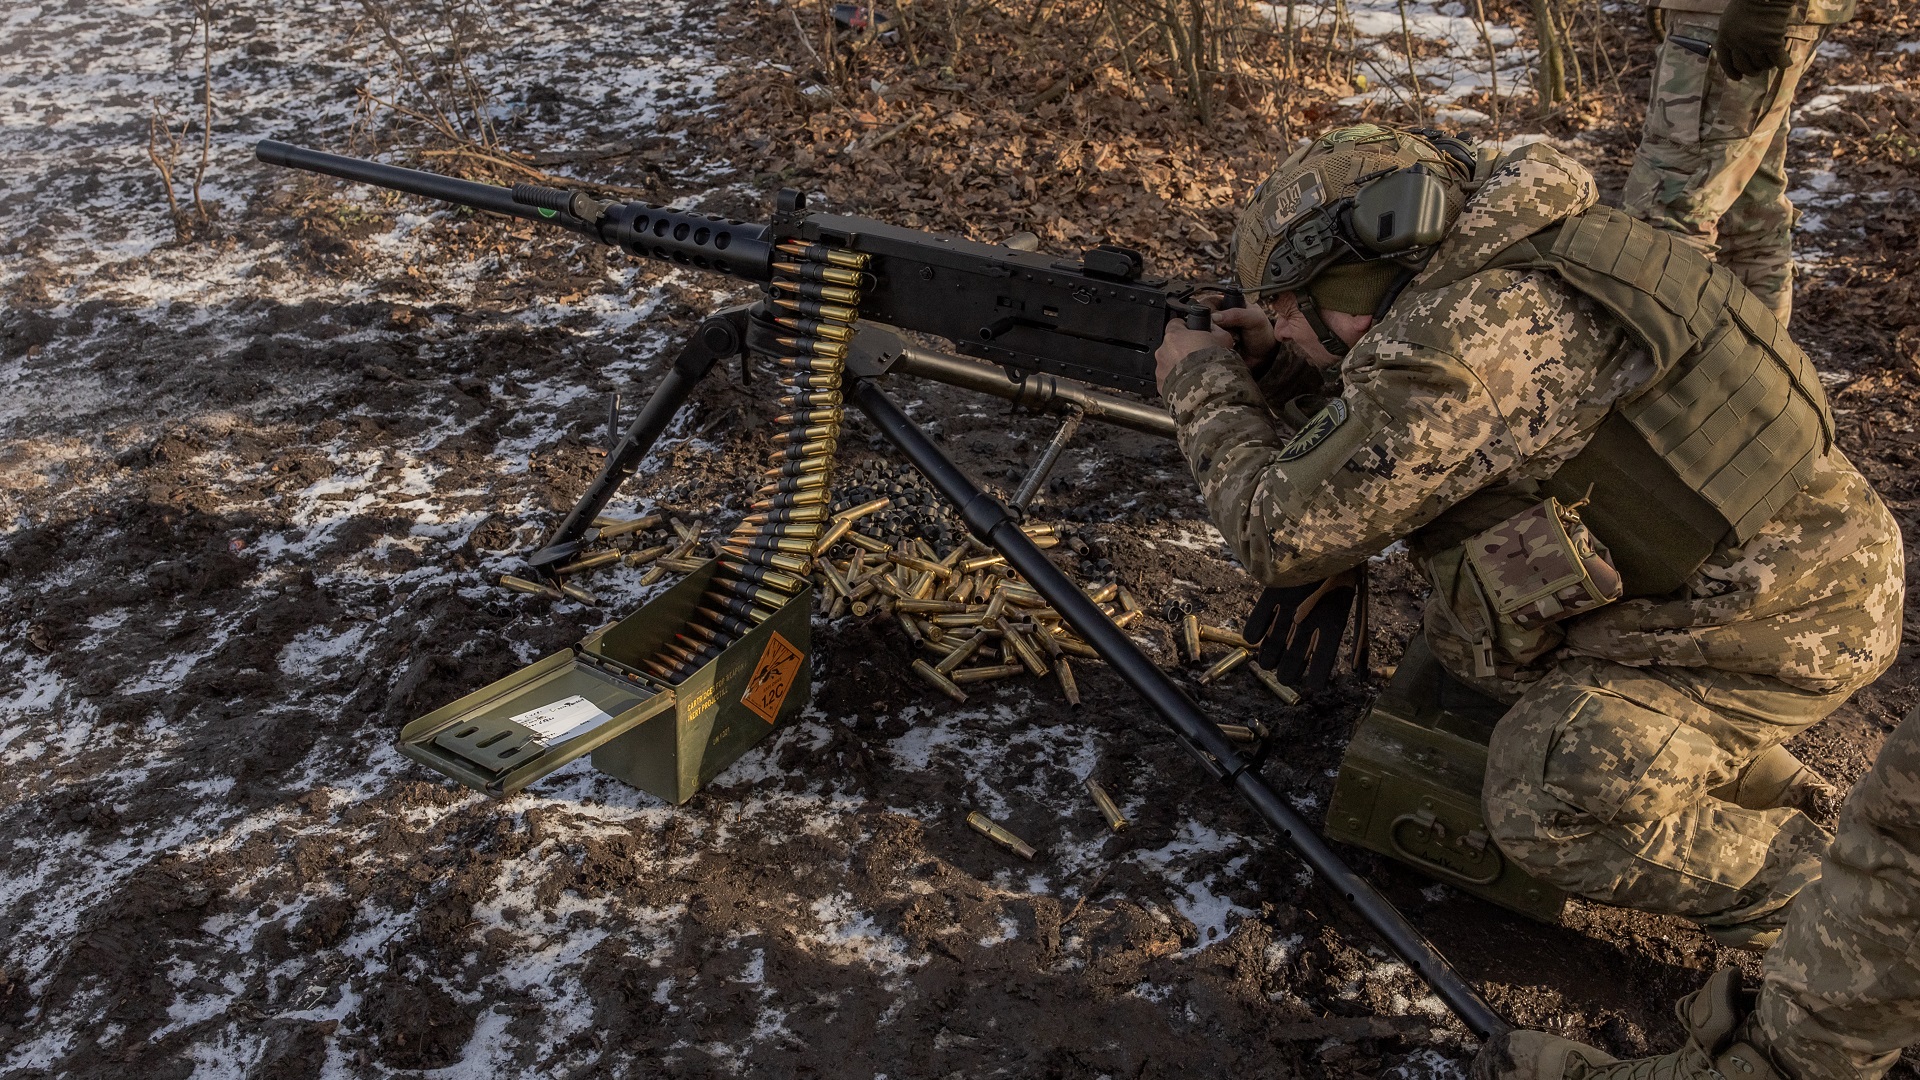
{"x": 655, "y": 232}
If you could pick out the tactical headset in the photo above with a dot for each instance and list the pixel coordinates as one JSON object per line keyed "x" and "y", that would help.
{"x": 1397, "y": 215}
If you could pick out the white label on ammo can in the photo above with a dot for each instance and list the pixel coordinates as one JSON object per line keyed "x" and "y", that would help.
{"x": 565, "y": 719}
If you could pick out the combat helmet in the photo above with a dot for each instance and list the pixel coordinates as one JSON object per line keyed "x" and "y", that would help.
{"x": 1349, "y": 218}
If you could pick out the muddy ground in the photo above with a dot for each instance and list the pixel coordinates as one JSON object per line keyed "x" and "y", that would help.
{"x": 259, "y": 474}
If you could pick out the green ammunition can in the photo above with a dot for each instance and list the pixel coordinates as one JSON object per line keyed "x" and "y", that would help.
{"x": 667, "y": 739}
{"x": 1409, "y": 786}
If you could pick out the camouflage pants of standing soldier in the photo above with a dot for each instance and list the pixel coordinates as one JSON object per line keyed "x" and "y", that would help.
{"x": 1712, "y": 164}
{"x": 1842, "y": 990}
{"x": 1598, "y": 781}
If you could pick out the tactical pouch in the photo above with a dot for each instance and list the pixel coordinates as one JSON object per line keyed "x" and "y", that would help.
{"x": 1409, "y": 786}
{"x": 1542, "y": 565}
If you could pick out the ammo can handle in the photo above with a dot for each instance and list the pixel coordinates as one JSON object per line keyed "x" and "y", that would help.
{"x": 1438, "y": 869}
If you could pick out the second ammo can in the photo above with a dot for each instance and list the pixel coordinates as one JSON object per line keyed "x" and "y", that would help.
{"x": 1409, "y": 786}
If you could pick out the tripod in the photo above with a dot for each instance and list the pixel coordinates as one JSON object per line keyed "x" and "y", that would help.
{"x": 873, "y": 355}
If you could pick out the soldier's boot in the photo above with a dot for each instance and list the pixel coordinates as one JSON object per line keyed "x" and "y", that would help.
{"x": 1721, "y": 1045}
{"x": 1778, "y": 778}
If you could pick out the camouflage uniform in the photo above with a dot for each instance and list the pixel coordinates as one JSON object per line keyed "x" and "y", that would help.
{"x": 1626, "y": 716}
{"x": 1712, "y": 164}
{"x": 1842, "y": 991}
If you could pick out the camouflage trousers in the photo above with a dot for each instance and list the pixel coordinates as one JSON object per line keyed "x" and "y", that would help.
{"x": 1842, "y": 989}
{"x": 1712, "y": 163}
{"x": 1597, "y": 781}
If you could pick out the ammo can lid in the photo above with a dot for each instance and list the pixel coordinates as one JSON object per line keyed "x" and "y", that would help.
{"x": 510, "y": 733}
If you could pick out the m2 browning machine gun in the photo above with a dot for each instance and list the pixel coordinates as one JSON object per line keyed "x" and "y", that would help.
{"x": 1042, "y": 319}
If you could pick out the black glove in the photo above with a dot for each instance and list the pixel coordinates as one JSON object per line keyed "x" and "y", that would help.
{"x": 1753, "y": 37}
{"x": 1298, "y": 628}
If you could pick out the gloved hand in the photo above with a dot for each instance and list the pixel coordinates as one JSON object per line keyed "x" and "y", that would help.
{"x": 1753, "y": 37}
{"x": 1298, "y": 629}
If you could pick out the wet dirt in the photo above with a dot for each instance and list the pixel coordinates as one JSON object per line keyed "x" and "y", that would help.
{"x": 258, "y": 482}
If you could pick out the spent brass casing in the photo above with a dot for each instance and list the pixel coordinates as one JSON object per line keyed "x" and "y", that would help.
{"x": 1108, "y": 808}
{"x": 1239, "y": 734}
{"x": 831, "y": 573}
{"x": 575, "y": 592}
{"x": 1190, "y": 636}
{"x": 1044, "y": 529}
{"x": 822, "y": 253}
{"x": 790, "y": 514}
{"x": 817, "y": 328}
{"x": 654, "y": 574}
{"x": 1223, "y": 637}
{"x": 968, "y": 566}
{"x": 1287, "y": 694}
{"x": 860, "y": 539}
{"x": 1128, "y": 618}
{"x": 1127, "y": 602}
{"x": 679, "y": 566}
{"x": 930, "y": 607}
{"x": 815, "y": 292}
{"x": 855, "y": 513}
{"x": 916, "y": 563}
{"x": 1076, "y": 647}
{"x": 1225, "y": 664}
{"x": 1104, "y": 593}
{"x": 954, "y": 620}
{"x": 986, "y": 827}
{"x": 859, "y": 608}
{"x": 959, "y": 653}
{"x": 593, "y": 561}
{"x": 1068, "y": 687}
{"x": 965, "y": 675}
{"x": 831, "y": 537}
{"x": 519, "y": 584}
{"x": 632, "y": 525}
{"x": 996, "y": 605}
{"x": 1022, "y": 648}
{"x": 940, "y": 682}
{"x": 646, "y": 555}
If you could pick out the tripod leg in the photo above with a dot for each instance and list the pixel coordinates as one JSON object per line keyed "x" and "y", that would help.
{"x": 721, "y": 334}
{"x": 990, "y": 521}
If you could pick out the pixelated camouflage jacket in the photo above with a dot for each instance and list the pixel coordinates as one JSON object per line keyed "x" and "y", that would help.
{"x": 1494, "y": 382}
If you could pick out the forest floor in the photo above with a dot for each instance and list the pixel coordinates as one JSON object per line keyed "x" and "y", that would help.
{"x": 261, "y": 469}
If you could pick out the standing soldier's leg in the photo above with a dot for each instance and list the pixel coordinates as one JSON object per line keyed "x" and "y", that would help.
{"x": 1598, "y": 782}
{"x": 1842, "y": 991}
{"x": 1706, "y": 139}
{"x": 1756, "y": 234}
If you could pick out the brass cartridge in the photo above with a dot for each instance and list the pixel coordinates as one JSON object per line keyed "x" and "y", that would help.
{"x": 985, "y": 826}
{"x": 1108, "y": 808}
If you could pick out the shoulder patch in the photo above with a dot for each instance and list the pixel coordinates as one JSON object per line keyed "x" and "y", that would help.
{"x": 1323, "y": 424}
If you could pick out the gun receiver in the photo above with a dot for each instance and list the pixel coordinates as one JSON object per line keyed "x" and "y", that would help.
{"x": 1097, "y": 319}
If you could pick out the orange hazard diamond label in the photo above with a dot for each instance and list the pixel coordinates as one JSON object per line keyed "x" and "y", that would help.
{"x": 772, "y": 677}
